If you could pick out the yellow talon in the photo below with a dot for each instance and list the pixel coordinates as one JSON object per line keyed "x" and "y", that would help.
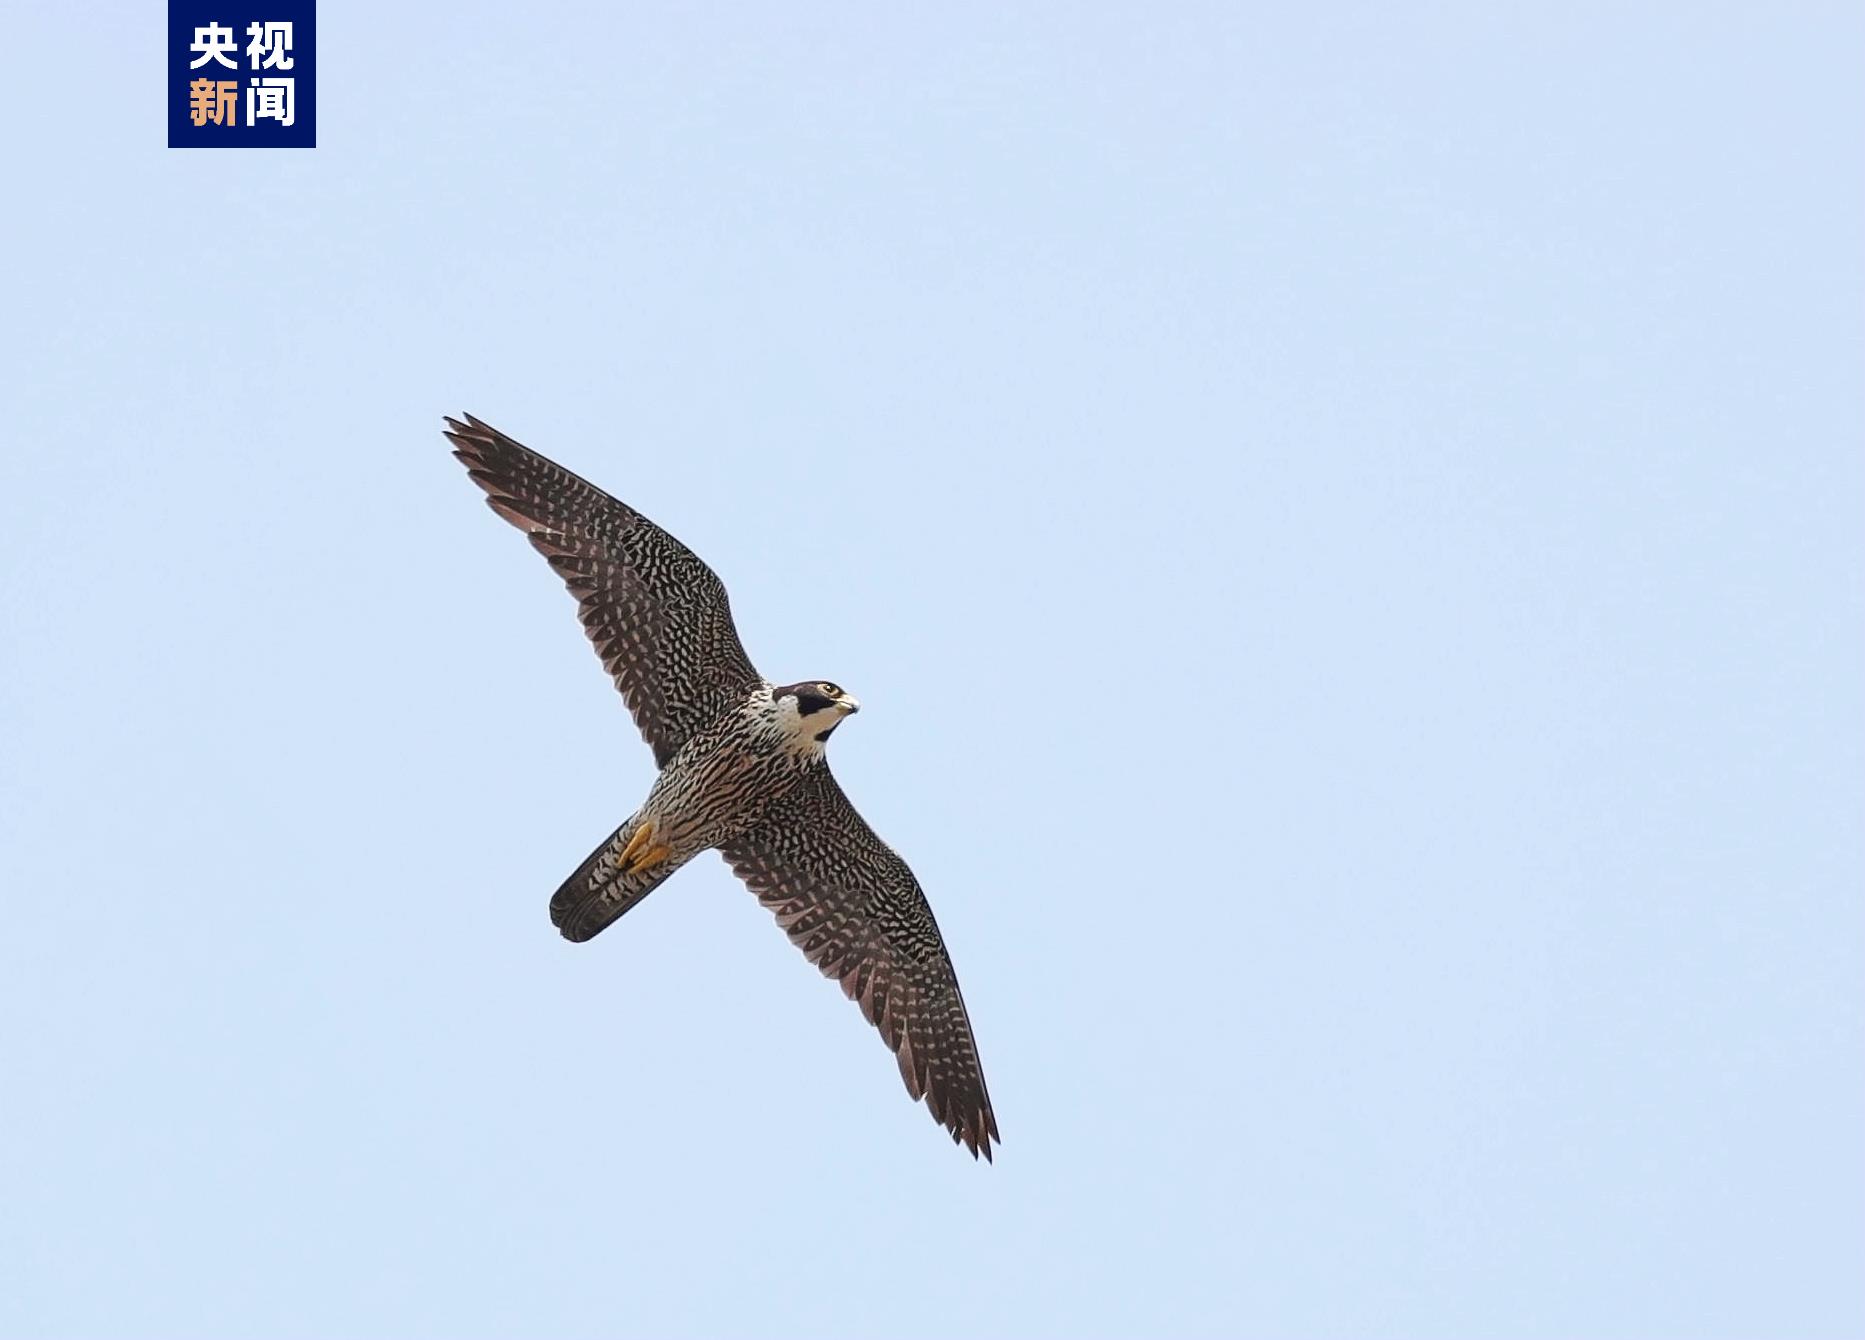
{"x": 649, "y": 859}
{"x": 635, "y": 844}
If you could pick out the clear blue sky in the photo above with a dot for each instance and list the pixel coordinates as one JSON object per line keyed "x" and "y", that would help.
{"x": 1347, "y": 530}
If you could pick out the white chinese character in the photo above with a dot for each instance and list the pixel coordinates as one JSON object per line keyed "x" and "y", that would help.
{"x": 271, "y": 100}
{"x": 273, "y": 42}
{"x": 214, "y": 43}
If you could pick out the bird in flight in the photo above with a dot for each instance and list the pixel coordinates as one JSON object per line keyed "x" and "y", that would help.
{"x": 743, "y": 769}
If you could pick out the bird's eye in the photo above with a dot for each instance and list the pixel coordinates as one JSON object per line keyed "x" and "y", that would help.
{"x": 830, "y": 690}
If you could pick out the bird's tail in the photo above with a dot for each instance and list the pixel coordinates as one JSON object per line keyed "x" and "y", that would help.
{"x": 600, "y": 891}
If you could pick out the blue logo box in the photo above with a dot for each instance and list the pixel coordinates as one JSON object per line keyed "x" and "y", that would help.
{"x": 242, "y": 74}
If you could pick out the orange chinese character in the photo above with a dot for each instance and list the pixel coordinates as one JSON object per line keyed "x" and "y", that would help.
{"x": 214, "y": 100}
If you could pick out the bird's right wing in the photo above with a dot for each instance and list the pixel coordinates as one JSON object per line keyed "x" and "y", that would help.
{"x": 855, "y": 909}
{"x": 658, "y": 616}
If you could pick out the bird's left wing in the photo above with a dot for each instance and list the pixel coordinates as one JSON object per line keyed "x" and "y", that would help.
{"x": 658, "y": 616}
{"x": 855, "y": 909}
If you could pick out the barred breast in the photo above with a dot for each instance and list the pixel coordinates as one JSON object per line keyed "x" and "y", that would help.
{"x": 724, "y": 779}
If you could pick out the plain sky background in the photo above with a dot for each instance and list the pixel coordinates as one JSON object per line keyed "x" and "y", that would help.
{"x": 1346, "y": 525}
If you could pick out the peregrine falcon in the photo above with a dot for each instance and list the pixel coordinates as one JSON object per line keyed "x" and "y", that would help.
{"x": 742, "y": 769}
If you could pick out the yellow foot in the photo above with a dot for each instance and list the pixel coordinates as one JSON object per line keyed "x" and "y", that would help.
{"x": 647, "y": 860}
{"x": 636, "y": 844}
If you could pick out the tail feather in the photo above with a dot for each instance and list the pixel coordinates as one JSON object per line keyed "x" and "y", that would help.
{"x": 598, "y": 893}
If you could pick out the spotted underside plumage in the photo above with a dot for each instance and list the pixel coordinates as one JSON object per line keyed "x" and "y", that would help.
{"x": 852, "y": 905}
{"x": 742, "y": 770}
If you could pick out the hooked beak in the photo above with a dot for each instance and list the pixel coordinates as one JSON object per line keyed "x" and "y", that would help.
{"x": 848, "y": 704}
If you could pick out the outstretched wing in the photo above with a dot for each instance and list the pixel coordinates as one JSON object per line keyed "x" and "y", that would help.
{"x": 852, "y": 906}
{"x": 658, "y": 616}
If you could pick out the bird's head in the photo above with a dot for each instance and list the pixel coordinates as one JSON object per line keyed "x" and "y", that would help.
{"x": 812, "y": 709}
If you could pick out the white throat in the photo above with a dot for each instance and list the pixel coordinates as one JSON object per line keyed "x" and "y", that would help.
{"x": 798, "y": 732}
